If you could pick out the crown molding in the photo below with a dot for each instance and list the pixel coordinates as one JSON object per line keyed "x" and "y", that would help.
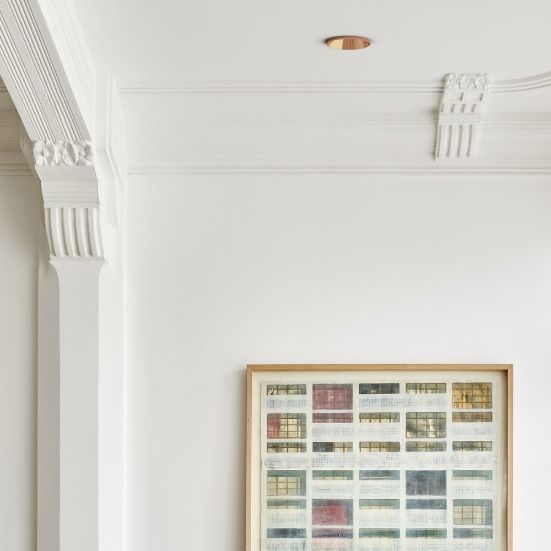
{"x": 403, "y": 126}
{"x": 422, "y": 169}
{"x": 296, "y": 87}
{"x": 524, "y": 84}
{"x": 535, "y": 82}
{"x": 177, "y": 141}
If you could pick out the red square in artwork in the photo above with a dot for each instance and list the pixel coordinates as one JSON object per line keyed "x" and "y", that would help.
{"x": 332, "y": 396}
{"x": 274, "y": 425}
{"x": 332, "y": 512}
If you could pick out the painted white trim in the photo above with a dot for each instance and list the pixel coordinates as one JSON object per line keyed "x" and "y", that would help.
{"x": 334, "y": 127}
{"x": 426, "y": 170}
{"x": 69, "y": 131}
{"x": 524, "y": 84}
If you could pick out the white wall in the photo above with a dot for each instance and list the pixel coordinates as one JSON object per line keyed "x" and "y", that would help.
{"x": 256, "y": 269}
{"x": 19, "y": 246}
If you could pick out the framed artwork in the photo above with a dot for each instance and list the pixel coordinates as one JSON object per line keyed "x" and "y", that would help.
{"x": 379, "y": 458}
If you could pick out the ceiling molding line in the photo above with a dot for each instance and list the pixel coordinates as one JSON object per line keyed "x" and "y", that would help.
{"x": 248, "y": 131}
{"x": 459, "y": 115}
{"x": 534, "y": 82}
{"x": 433, "y": 169}
{"x": 287, "y": 87}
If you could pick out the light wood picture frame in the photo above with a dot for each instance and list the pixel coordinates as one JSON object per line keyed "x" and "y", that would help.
{"x": 273, "y": 427}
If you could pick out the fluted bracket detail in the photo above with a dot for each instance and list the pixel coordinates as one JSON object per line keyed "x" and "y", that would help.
{"x": 459, "y": 115}
{"x": 71, "y": 200}
{"x": 74, "y": 233}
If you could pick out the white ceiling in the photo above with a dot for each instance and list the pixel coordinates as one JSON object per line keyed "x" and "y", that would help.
{"x": 174, "y": 42}
{"x": 249, "y": 86}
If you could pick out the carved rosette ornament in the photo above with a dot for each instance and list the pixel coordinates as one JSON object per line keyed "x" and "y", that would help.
{"x": 459, "y": 115}
{"x": 63, "y": 153}
{"x": 467, "y": 81}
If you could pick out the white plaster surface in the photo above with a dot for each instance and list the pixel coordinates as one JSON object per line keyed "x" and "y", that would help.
{"x": 19, "y": 243}
{"x": 229, "y": 270}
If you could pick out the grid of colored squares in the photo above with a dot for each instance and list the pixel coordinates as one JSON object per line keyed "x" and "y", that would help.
{"x": 344, "y": 409}
{"x": 425, "y": 430}
{"x": 426, "y": 490}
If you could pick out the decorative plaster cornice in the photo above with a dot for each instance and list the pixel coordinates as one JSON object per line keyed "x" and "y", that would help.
{"x": 63, "y": 153}
{"x": 460, "y": 114}
{"x": 50, "y": 82}
{"x": 48, "y": 72}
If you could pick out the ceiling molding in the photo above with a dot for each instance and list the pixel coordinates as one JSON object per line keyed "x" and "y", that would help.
{"x": 286, "y": 87}
{"x": 205, "y": 139}
{"x": 524, "y": 84}
{"x": 426, "y": 170}
{"x": 397, "y": 127}
{"x": 535, "y": 82}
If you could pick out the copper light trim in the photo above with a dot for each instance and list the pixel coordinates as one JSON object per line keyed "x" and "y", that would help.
{"x": 348, "y": 42}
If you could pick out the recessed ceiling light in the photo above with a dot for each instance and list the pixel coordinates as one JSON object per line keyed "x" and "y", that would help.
{"x": 348, "y": 42}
